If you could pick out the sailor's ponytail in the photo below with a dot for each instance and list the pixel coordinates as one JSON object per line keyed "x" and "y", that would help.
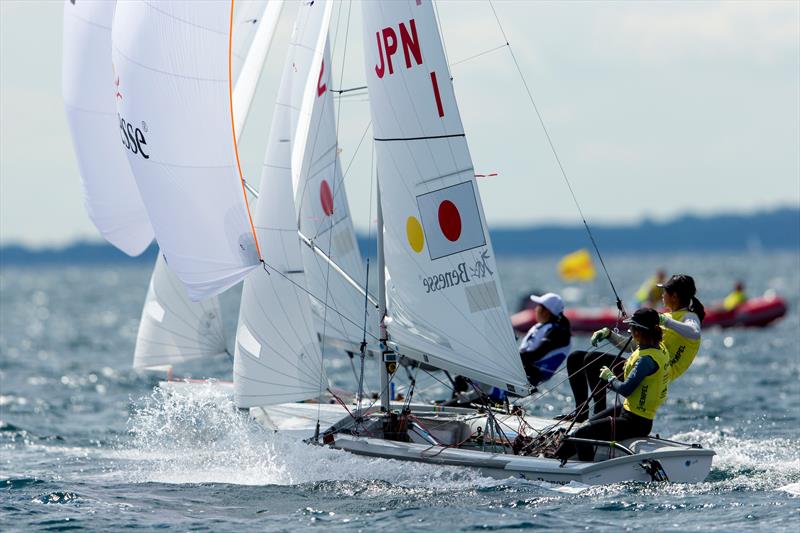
{"x": 697, "y": 308}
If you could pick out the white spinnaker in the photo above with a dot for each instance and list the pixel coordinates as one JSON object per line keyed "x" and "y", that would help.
{"x": 172, "y": 59}
{"x": 444, "y": 298}
{"x": 323, "y": 212}
{"x": 172, "y": 329}
{"x": 110, "y": 193}
{"x": 277, "y": 357}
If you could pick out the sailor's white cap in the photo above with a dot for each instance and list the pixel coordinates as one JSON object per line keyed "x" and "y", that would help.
{"x": 551, "y": 301}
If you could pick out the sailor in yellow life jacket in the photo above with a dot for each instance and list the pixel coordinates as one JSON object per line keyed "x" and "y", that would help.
{"x": 649, "y": 294}
{"x": 681, "y": 339}
{"x": 644, "y": 385}
{"x": 681, "y": 324}
{"x": 735, "y": 298}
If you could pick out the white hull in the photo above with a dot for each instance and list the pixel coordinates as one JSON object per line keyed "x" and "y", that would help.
{"x": 682, "y": 463}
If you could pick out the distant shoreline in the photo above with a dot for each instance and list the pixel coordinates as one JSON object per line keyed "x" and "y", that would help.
{"x": 772, "y": 230}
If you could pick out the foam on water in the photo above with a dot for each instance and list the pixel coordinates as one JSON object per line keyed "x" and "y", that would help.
{"x": 202, "y": 438}
{"x": 749, "y": 463}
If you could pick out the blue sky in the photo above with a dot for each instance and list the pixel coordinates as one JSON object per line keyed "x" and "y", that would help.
{"x": 656, "y": 109}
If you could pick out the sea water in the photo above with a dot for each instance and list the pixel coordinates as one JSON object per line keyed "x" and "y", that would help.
{"x": 89, "y": 443}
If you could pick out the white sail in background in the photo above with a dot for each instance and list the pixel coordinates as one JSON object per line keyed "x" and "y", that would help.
{"x": 323, "y": 212}
{"x": 277, "y": 357}
{"x": 110, "y": 193}
{"x": 248, "y": 17}
{"x": 173, "y": 329}
{"x": 444, "y": 298}
{"x": 175, "y": 104}
{"x": 253, "y": 30}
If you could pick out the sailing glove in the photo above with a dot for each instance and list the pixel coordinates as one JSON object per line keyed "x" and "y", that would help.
{"x": 662, "y": 318}
{"x": 606, "y": 374}
{"x": 600, "y": 335}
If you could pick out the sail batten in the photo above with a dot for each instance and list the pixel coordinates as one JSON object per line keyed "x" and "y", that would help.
{"x": 444, "y": 301}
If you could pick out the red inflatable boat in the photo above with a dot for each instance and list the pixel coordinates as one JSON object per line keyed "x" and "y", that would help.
{"x": 756, "y": 312}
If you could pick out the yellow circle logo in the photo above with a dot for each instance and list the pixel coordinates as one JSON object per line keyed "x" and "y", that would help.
{"x": 414, "y": 233}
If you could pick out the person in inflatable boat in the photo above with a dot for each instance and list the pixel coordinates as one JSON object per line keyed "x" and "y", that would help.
{"x": 681, "y": 326}
{"x": 644, "y": 385}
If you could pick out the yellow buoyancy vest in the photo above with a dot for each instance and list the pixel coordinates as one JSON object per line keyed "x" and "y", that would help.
{"x": 652, "y": 391}
{"x": 680, "y": 349}
{"x": 649, "y": 293}
{"x": 734, "y": 300}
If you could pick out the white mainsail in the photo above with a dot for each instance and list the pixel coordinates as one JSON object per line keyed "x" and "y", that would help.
{"x": 110, "y": 193}
{"x": 174, "y": 330}
{"x": 323, "y": 212}
{"x": 277, "y": 357}
{"x": 445, "y": 304}
{"x": 175, "y": 102}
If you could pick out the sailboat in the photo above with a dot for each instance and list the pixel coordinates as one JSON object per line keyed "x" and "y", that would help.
{"x": 440, "y": 302}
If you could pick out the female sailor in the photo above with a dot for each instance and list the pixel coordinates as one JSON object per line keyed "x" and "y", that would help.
{"x": 548, "y": 342}
{"x": 644, "y": 385}
{"x": 681, "y": 338}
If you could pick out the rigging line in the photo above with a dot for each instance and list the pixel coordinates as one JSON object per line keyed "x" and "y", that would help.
{"x": 349, "y": 164}
{"x": 364, "y": 334}
{"x": 371, "y": 187}
{"x": 470, "y": 58}
{"x": 310, "y": 294}
{"x": 558, "y": 160}
{"x": 441, "y": 32}
{"x": 339, "y": 107}
{"x": 351, "y": 89}
{"x": 330, "y": 240}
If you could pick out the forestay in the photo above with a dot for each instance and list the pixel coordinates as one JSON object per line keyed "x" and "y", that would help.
{"x": 277, "y": 357}
{"x": 172, "y": 329}
{"x": 444, "y": 299}
{"x": 110, "y": 193}
{"x": 322, "y": 207}
{"x": 175, "y": 106}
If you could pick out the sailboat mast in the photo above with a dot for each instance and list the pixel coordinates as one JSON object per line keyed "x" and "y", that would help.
{"x": 387, "y": 356}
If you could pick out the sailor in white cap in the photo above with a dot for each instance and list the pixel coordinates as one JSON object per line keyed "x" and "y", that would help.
{"x": 548, "y": 342}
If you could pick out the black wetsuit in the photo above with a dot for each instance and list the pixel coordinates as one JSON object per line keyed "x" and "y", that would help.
{"x": 612, "y": 424}
{"x": 583, "y": 369}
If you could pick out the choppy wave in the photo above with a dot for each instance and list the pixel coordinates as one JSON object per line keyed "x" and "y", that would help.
{"x": 202, "y": 438}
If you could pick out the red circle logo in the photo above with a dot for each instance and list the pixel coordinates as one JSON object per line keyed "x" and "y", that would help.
{"x": 326, "y": 198}
{"x": 449, "y": 220}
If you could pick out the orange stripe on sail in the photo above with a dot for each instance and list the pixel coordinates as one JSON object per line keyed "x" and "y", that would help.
{"x": 233, "y": 131}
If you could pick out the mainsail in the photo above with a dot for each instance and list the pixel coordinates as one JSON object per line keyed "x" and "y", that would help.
{"x": 173, "y": 329}
{"x": 175, "y": 104}
{"x": 277, "y": 357}
{"x": 445, "y": 304}
{"x": 322, "y": 209}
{"x": 110, "y": 193}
